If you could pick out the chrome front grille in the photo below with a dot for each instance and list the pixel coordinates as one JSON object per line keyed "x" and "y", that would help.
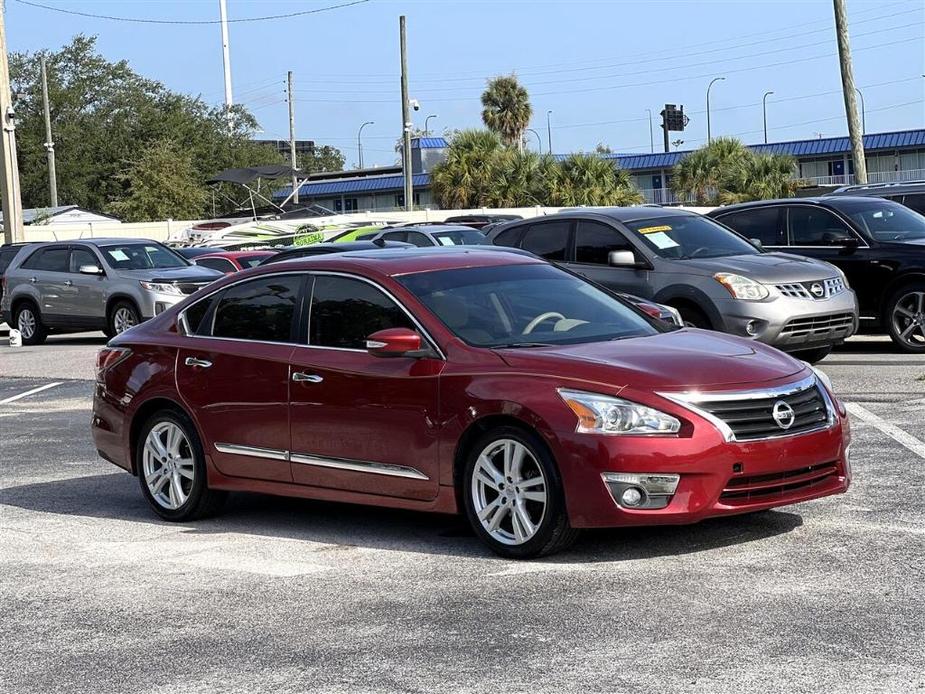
{"x": 816, "y": 290}
{"x": 835, "y": 324}
{"x": 191, "y": 287}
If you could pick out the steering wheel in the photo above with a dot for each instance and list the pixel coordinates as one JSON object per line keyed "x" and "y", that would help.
{"x": 531, "y": 326}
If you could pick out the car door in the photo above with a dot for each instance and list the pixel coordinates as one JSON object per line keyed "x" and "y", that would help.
{"x": 47, "y": 271}
{"x": 549, "y": 240}
{"x": 233, "y": 372}
{"x": 359, "y": 422}
{"x": 594, "y": 240}
{"x": 86, "y": 295}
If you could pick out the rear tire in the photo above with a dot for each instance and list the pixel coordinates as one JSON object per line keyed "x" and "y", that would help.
{"x": 28, "y": 321}
{"x": 814, "y": 356}
{"x": 122, "y": 316}
{"x": 171, "y": 469}
{"x": 513, "y": 495}
{"x": 905, "y": 318}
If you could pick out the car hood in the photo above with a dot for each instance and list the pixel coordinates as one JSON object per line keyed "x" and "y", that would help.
{"x": 192, "y": 273}
{"x": 681, "y": 359}
{"x": 768, "y": 268}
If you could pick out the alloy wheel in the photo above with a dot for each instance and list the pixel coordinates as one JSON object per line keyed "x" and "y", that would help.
{"x": 168, "y": 465}
{"x": 509, "y": 492}
{"x": 123, "y": 319}
{"x": 909, "y": 318}
{"x": 25, "y": 323}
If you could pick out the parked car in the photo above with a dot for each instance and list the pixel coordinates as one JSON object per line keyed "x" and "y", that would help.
{"x": 95, "y": 284}
{"x": 232, "y": 261}
{"x": 460, "y": 380}
{"x": 7, "y": 253}
{"x": 715, "y": 278}
{"x": 328, "y": 248}
{"x": 878, "y": 244}
{"x": 479, "y": 221}
{"x": 429, "y": 235}
{"x": 910, "y": 193}
{"x": 193, "y": 252}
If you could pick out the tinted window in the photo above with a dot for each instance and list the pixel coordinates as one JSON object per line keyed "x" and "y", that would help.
{"x": 259, "y": 310}
{"x": 915, "y": 201}
{"x": 594, "y": 241}
{"x": 689, "y": 236}
{"x": 81, "y": 257}
{"x": 813, "y": 226}
{"x": 345, "y": 312}
{"x": 414, "y": 237}
{"x": 6, "y": 257}
{"x": 141, "y": 256}
{"x": 884, "y": 220}
{"x": 761, "y": 224}
{"x": 195, "y": 313}
{"x": 547, "y": 240}
{"x": 220, "y": 264}
{"x": 461, "y": 237}
{"x": 251, "y": 260}
{"x": 48, "y": 259}
{"x": 392, "y": 236}
{"x": 508, "y": 237}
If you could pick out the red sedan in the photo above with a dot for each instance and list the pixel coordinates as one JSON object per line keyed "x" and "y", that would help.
{"x": 232, "y": 261}
{"x": 460, "y": 380}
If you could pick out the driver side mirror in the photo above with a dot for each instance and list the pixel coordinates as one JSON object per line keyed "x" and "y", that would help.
{"x": 622, "y": 259}
{"x": 396, "y": 342}
{"x": 757, "y": 243}
{"x": 837, "y": 237}
{"x": 90, "y": 270}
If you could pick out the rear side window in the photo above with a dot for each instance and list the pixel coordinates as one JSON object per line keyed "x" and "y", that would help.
{"x": 6, "y": 257}
{"x": 220, "y": 264}
{"x": 394, "y": 236}
{"x": 263, "y": 310}
{"x": 346, "y": 311}
{"x": 813, "y": 226}
{"x": 415, "y": 238}
{"x": 762, "y": 224}
{"x": 48, "y": 260}
{"x": 594, "y": 241}
{"x": 195, "y": 313}
{"x": 547, "y": 240}
{"x": 509, "y": 237}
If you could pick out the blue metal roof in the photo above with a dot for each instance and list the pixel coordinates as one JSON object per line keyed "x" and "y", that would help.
{"x": 429, "y": 143}
{"x": 367, "y": 184}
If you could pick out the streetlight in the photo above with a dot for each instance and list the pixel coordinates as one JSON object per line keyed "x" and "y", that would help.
{"x": 651, "y": 140}
{"x": 549, "y": 131}
{"x": 764, "y": 111}
{"x": 863, "y": 112}
{"x": 360, "y": 144}
{"x": 539, "y": 140}
{"x": 426, "y": 131}
{"x": 709, "y": 86}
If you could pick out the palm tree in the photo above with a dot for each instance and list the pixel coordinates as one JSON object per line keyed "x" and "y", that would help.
{"x": 587, "y": 179}
{"x": 506, "y": 109}
{"x": 515, "y": 179}
{"x": 701, "y": 173}
{"x": 763, "y": 177}
{"x": 465, "y": 177}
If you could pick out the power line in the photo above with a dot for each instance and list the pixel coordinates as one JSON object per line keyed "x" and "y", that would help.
{"x": 138, "y": 20}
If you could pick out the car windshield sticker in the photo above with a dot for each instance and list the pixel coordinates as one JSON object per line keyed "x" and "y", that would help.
{"x": 662, "y": 240}
{"x": 118, "y": 254}
{"x": 654, "y": 230}
{"x": 445, "y": 240}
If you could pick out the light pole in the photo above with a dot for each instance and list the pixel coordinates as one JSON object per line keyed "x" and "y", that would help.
{"x": 539, "y": 140}
{"x": 549, "y": 131}
{"x": 863, "y": 112}
{"x": 360, "y": 144}
{"x": 651, "y": 139}
{"x": 709, "y": 86}
{"x": 426, "y": 131}
{"x": 764, "y": 112}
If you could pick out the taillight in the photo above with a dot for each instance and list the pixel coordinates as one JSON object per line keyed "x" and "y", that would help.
{"x": 650, "y": 309}
{"x": 108, "y": 357}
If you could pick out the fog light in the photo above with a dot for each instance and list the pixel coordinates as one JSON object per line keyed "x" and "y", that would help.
{"x": 751, "y": 328}
{"x": 631, "y": 497}
{"x": 160, "y": 307}
{"x": 848, "y": 461}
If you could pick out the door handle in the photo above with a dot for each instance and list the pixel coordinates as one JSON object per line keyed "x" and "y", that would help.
{"x": 193, "y": 361}
{"x": 33, "y": 280}
{"x": 68, "y": 283}
{"x": 300, "y": 377}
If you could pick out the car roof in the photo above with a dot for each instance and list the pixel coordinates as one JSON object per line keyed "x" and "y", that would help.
{"x": 104, "y": 241}
{"x": 428, "y": 227}
{"x": 235, "y": 254}
{"x": 824, "y": 201}
{"x": 620, "y": 214}
{"x": 876, "y": 189}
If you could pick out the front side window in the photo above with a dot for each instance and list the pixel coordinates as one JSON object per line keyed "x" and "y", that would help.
{"x": 758, "y": 223}
{"x": 548, "y": 239}
{"x": 141, "y": 256}
{"x": 81, "y": 257}
{"x": 345, "y": 311}
{"x": 262, "y": 310}
{"x": 393, "y": 236}
{"x": 884, "y": 220}
{"x": 814, "y": 226}
{"x": 48, "y": 260}
{"x": 689, "y": 236}
{"x": 528, "y": 305}
{"x": 594, "y": 241}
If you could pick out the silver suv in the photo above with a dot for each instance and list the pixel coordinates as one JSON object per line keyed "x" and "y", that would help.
{"x": 94, "y": 284}
{"x": 714, "y": 277}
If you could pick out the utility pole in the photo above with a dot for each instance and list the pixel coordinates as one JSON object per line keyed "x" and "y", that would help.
{"x": 549, "y": 131}
{"x": 292, "y": 159}
{"x": 405, "y": 119}
{"x": 710, "y": 86}
{"x": 848, "y": 89}
{"x": 49, "y": 143}
{"x": 764, "y": 114}
{"x": 651, "y": 138}
{"x": 12, "y": 203}
{"x": 226, "y": 61}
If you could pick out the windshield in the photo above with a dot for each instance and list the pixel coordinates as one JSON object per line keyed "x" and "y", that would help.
{"x": 463, "y": 237}
{"x": 524, "y": 305}
{"x": 690, "y": 236}
{"x": 141, "y": 256}
{"x": 884, "y": 220}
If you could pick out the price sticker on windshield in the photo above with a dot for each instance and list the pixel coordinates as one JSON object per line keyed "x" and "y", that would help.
{"x": 654, "y": 230}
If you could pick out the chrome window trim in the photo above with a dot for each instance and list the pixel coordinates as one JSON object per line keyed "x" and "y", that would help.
{"x": 359, "y": 466}
{"x": 690, "y": 400}
{"x": 253, "y": 451}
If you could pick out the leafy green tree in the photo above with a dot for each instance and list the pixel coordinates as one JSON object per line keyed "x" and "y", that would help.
{"x": 324, "y": 158}
{"x": 762, "y": 177}
{"x": 506, "y": 109}
{"x": 587, "y": 179}
{"x": 466, "y": 176}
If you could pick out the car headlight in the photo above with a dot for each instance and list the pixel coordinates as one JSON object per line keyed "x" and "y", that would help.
{"x": 605, "y": 414}
{"x": 824, "y": 378}
{"x": 161, "y": 287}
{"x": 742, "y": 287}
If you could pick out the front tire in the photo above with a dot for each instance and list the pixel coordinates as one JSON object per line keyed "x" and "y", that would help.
{"x": 122, "y": 316}
{"x": 905, "y": 318}
{"x": 171, "y": 469}
{"x": 28, "y": 322}
{"x": 513, "y": 495}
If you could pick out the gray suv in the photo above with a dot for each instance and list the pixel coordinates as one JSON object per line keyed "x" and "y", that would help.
{"x": 714, "y": 277}
{"x": 94, "y": 284}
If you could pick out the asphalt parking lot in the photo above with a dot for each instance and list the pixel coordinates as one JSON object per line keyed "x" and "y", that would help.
{"x": 282, "y": 595}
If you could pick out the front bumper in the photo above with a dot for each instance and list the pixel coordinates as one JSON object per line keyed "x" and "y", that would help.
{"x": 154, "y": 303}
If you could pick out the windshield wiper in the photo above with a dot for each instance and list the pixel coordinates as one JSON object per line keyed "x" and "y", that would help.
{"x": 516, "y": 345}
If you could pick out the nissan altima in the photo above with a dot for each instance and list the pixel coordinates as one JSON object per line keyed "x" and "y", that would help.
{"x": 460, "y": 381}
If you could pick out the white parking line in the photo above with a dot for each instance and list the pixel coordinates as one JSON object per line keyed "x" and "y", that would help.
{"x": 891, "y": 430}
{"x": 14, "y": 398}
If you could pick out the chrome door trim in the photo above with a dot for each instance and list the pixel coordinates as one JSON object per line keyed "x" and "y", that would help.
{"x": 253, "y": 451}
{"x": 359, "y": 466}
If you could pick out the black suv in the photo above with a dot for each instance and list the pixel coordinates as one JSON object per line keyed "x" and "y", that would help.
{"x": 879, "y": 245}
{"x": 910, "y": 194}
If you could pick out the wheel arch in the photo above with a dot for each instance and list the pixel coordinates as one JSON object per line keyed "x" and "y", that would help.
{"x": 910, "y": 277}
{"x": 116, "y": 298}
{"x": 685, "y": 295}
{"x": 144, "y": 412}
